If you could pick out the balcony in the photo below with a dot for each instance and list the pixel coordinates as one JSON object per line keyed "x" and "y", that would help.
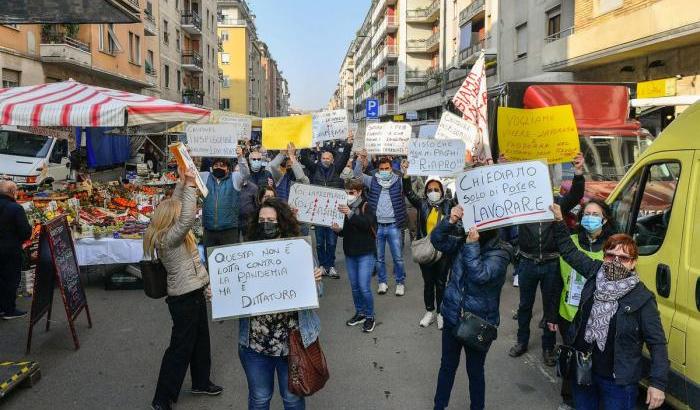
{"x": 220, "y": 44}
{"x": 470, "y": 54}
{"x": 133, "y": 4}
{"x": 380, "y": 8}
{"x": 388, "y": 109}
{"x": 193, "y": 96}
{"x": 432, "y": 43}
{"x": 387, "y": 52}
{"x": 473, "y": 11}
{"x": 191, "y": 22}
{"x": 390, "y": 24}
{"x": 429, "y": 14}
{"x": 416, "y": 76}
{"x": 390, "y": 79}
{"x": 151, "y": 74}
{"x": 424, "y": 45}
{"x": 61, "y": 49}
{"x": 556, "y": 36}
{"x": 228, "y": 21}
{"x": 192, "y": 61}
{"x": 150, "y": 28}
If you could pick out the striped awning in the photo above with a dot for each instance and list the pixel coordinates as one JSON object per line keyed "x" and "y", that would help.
{"x": 72, "y": 104}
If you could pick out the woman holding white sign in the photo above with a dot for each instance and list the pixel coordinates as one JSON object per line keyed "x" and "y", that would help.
{"x": 471, "y": 303}
{"x": 264, "y": 341}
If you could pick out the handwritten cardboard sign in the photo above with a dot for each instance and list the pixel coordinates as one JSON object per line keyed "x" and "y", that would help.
{"x": 278, "y": 132}
{"x": 435, "y": 157}
{"x": 330, "y": 125}
{"x": 549, "y": 133}
{"x": 243, "y": 125}
{"x": 257, "y": 278}
{"x": 214, "y": 140}
{"x": 454, "y": 127}
{"x": 389, "y": 138}
{"x": 184, "y": 160}
{"x": 505, "y": 194}
{"x": 316, "y": 204}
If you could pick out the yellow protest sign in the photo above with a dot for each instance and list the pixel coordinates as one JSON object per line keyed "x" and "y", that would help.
{"x": 278, "y": 132}
{"x": 538, "y": 133}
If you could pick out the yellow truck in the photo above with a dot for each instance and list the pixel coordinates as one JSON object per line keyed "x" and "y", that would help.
{"x": 658, "y": 203}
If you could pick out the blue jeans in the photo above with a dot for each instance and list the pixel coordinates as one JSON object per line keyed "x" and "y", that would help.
{"x": 531, "y": 274}
{"x": 393, "y": 235}
{"x": 360, "y": 275}
{"x": 605, "y": 394}
{"x": 326, "y": 240}
{"x": 451, "y": 355}
{"x": 260, "y": 372}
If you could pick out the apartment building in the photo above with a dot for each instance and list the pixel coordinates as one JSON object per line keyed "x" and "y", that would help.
{"x": 251, "y": 80}
{"x": 343, "y": 95}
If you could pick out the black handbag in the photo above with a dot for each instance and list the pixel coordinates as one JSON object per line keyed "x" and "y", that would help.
{"x": 574, "y": 364}
{"x": 474, "y": 332}
{"x": 155, "y": 278}
{"x": 584, "y": 368}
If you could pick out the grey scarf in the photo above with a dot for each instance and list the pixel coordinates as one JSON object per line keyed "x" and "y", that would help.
{"x": 388, "y": 183}
{"x": 605, "y": 302}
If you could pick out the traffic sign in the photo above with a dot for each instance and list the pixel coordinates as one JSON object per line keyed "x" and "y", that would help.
{"x": 372, "y": 108}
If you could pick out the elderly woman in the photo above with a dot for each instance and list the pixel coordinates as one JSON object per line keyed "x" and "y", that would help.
{"x": 617, "y": 315}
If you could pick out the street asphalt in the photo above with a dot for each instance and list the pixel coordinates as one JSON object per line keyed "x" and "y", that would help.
{"x": 395, "y": 367}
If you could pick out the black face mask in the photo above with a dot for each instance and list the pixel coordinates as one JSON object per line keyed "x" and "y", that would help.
{"x": 218, "y": 173}
{"x": 270, "y": 230}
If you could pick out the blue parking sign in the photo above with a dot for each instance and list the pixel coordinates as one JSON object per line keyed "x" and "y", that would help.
{"x": 372, "y": 108}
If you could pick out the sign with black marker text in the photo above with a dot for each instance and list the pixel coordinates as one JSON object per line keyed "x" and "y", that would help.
{"x": 388, "y": 138}
{"x": 435, "y": 157}
{"x": 215, "y": 140}
{"x": 317, "y": 205}
{"x": 330, "y": 125}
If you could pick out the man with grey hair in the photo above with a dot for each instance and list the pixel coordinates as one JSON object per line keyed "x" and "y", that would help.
{"x": 15, "y": 230}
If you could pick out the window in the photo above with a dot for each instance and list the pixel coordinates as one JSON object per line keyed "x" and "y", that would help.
{"x": 177, "y": 5}
{"x": 554, "y": 22}
{"x": 179, "y": 80}
{"x": 224, "y": 35}
{"x": 10, "y": 78}
{"x": 212, "y": 23}
{"x": 521, "y": 41}
{"x": 208, "y": 21}
{"x": 648, "y": 217}
{"x": 225, "y": 82}
{"x": 177, "y": 39}
{"x": 166, "y": 39}
{"x": 604, "y": 6}
{"x": 166, "y": 76}
{"x": 225, "y": 58}
{"x": 209, "y": 86}
{"x": 113, "y": 45}
{"x": 134, "y": 48}
{"x": 225, "y": 104}
{"x": 149, "y": 63}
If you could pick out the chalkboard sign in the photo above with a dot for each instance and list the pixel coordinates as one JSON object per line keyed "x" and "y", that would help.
{"x": 57, "y": 265}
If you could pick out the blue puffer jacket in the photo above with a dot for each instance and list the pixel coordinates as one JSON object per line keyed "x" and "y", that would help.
{"x": 478, "y": 274}
{"x": 220, "y": 209}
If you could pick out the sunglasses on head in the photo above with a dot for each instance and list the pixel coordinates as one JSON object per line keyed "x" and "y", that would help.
{"x": 609, "y": 257}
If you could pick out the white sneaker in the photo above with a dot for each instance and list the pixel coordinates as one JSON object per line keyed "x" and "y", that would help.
{"x": 428, "y": 318}
{"x": 440, "y": 321}
{"x": 382, "y": 288}
{"x": 515, "y": 281}
{"x": 400, "y": 289}
{"x": 332, "y": 273}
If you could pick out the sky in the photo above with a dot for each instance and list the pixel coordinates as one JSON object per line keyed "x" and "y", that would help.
{"x": 309, "y": 39}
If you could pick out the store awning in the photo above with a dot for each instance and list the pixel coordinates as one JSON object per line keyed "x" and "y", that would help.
{"x": 73, "y": 104}
{"x": 665, "y": 101}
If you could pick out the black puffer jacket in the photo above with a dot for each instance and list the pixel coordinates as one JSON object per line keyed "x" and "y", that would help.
{"x": 637, "y": 321}
{"x": 328, "y": 177}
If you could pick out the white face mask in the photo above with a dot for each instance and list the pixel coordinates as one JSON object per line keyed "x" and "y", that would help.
{"x": 434, "y": 196}
{"x": 351, "y": 199}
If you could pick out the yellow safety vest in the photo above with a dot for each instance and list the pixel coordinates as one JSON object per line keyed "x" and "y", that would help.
{"x": 568, "y": 308}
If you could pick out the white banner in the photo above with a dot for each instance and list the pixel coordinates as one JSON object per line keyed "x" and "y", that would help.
{"x": 505, "y": 194}
{"x": 257, "y": 278}
{"x": 429, "y": 157}
{"x": 330, "y": 125}
{"x": 471, "y": 100}
{"x": 213, "y": 140}
{"x": 454, "y": 127}
{"x": 243, "y": 125}
{"x": 317, "y": 205}
{"x": 389, "y": 138}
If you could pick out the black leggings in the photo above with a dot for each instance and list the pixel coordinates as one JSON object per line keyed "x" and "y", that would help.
{"x": 434, "y": 279}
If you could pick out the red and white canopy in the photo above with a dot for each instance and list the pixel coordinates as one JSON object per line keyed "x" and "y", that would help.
{"x": 72, "y": 104}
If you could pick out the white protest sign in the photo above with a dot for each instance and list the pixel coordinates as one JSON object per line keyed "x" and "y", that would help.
{"x": 243, "y": 125}
{"x": 435, "y": 157}
{"x": 389, "y": 138}
{"x": 317, "y": 205}
{"x": 505, "y": 194}
{"x": 454, "y": 127}
{"x": 330, "y": 125}
{"x": 257, "y": 278}
{"x": 427, "y": 131}
{"x": 212, "y": 140}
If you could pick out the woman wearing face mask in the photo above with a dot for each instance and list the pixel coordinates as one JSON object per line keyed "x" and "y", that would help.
{"x": 263, "y": 343}
{"x": 617, "y": 315}
{"x": 359, "y": 248}
{"x": 595, "y": 227}
{"x": 431, "y": 210}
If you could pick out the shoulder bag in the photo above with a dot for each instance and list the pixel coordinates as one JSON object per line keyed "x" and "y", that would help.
{"x": 308, "y": 371}
{"x": 573, "y": 364}
{"x": 155, "y": 278}
{"x": 423, "y": 251}
{"x": 473, "y": 331}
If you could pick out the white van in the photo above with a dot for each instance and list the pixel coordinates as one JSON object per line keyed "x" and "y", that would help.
{"x": 31, "y": 159}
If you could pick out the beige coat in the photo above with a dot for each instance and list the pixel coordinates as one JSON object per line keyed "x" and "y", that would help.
{"x": 185, "y": 270}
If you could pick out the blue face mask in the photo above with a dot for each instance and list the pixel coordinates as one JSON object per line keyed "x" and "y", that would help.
{"x": 385, "y": 175}
{"x": 591, "y": 223}
{"x": 256, "y": 164}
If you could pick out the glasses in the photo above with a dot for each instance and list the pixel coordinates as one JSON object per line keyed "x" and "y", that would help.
{"x": 609, "y": 257}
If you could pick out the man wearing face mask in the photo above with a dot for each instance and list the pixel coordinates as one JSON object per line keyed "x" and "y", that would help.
{"x": 221, "y": 207}
{"x": 15, "y": 230}
{"x": 258, "y": 174}
{"x": 286, "y": 169}
{"x": 386, "y": 199}
{"x": 327, "y": 173}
